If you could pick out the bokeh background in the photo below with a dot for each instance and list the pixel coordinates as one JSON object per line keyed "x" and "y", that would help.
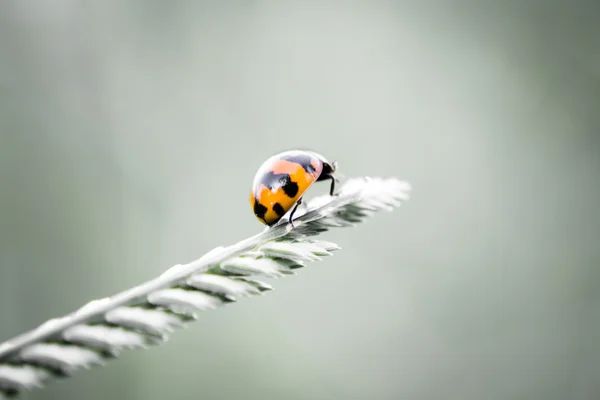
{"x": 130, "y": 133}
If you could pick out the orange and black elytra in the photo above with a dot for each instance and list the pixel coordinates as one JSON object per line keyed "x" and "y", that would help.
{"x": 282, "y": 180}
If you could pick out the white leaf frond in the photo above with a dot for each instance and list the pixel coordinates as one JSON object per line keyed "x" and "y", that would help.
{"x": 152, "y": 321}
{"x": 108, "y": 338}
{"x": 146, "y": 314}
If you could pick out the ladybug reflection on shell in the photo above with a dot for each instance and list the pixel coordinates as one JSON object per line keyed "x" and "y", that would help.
{"x": 282, "y": 180}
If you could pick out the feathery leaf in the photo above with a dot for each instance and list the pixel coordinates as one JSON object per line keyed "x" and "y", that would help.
{"x": 146, "y": 314}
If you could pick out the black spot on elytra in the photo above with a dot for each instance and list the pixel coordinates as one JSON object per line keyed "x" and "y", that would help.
{"x": 259, "y": 210}
{"x": 303, "y": 160}
{"x": 278, "y": 209}
{"x": 290, "y": 188}
{"x": 276, "y": 181}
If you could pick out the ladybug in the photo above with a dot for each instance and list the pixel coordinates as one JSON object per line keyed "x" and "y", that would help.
{"x": 282, "y": 180}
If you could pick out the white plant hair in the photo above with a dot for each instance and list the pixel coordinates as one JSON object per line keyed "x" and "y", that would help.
{"x": 146, "y": 314}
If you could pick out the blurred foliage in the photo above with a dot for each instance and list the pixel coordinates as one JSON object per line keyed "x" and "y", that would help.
{"x": 130, "y": 133}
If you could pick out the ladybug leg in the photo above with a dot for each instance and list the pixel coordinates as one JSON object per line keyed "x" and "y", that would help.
{"x": 332, "y": 188}
{"x": 293, "y": 211}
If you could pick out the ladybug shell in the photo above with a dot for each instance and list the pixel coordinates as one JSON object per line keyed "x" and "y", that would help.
{"x": 281, "y": 181}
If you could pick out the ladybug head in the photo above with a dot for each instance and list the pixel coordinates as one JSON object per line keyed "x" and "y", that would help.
{"x": 329, "y": 168}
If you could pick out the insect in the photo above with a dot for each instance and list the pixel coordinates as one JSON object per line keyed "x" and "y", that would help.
{"x": 282, "y": 180}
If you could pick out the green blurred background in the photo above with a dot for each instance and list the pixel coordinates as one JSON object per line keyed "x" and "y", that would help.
{"x": 130, "y": 133}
